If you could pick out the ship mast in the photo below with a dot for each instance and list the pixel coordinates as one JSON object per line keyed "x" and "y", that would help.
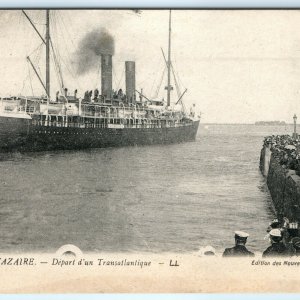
{"x": 169, "y": 88}
{"x": 47, "y": 54}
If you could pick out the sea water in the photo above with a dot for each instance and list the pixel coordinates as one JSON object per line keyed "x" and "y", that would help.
{"x": 157, "y": 198}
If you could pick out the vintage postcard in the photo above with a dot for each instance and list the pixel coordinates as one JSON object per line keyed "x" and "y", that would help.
{"x": 149, "y": 151}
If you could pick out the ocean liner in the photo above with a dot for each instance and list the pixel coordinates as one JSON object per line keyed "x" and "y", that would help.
{"x": 95, "y": 120}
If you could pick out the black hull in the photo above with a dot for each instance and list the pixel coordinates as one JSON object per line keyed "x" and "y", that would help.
{"x": 22, "y": 135}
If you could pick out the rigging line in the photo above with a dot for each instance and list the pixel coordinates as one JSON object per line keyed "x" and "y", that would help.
{"x": 175, "y": 80}
{"x": 63, "y": 34}
{"x": 116, "y": 81}
{"x": 161, "y": 81}
{"x": 180, "y": 98}
{"x": 62, "y": 20}
{"x": 30, "y": 79}
{"x": 59, "y": 58}
{"x": 149, "y": 76}
{"x": 34, "y": 26}
{"x": 37, "y": 74}
{"x": 57, "y": 74}
{"x": 119, "y": 83}
{"x": 55, "y": 35}
{"x": 57, "y": 67}
{"x": 154, "y": 81}
{"x": 36, "y": 49}
{"x": 70, "y": 69}
{"x": 178, "y": 77}
{"x": 72, "y": 74}
{"x": 38, "y": 57}
{"x": 54, "y": 56}
{"x": 24, "y": 81}
{"x": 178, "y": 90}
{"x": 64, "y": 37}
{"x": 114, "y": 76}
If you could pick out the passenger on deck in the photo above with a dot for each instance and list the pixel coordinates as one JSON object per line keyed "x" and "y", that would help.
{"x": 66, "y": 92}
{"x": 57, "y": 96}
{"x": 120, "y": 93}
{"x": 75, "y": 94}
{"x": 115, "y": 96}
{"x": 86, "y": 95}
{"x": 96, "y": 94}
{"x": 239, "y": 249}
{"x": 90, "y": 95}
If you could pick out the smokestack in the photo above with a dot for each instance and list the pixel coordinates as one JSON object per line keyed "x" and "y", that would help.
{"x": 130, "y": 80}
{"x": 106, "y": 75}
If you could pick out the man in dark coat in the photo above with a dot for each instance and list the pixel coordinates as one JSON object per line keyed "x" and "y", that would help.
{"x": 239, "y": 250}
{"x": 277, "y": 247}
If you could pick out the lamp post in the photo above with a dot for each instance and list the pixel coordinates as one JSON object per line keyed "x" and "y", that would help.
{"x": 295, "y": 126}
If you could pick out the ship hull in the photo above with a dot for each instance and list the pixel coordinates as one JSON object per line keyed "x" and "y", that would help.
{"x": 14, "y": 132}
{"x": 23, "y": 135}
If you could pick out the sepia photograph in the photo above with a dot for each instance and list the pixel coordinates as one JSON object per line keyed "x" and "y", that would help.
{"x": 149, "y": 150}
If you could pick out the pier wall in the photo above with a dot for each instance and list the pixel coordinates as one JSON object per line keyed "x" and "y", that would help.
{"x": 283, "y": 184}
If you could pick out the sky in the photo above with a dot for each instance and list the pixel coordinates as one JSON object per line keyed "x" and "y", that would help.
{"x": 237, "y": 66}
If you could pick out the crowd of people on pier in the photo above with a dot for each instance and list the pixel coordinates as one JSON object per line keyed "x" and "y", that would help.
{"x": 283, "y": 235}
{"x": 286, "y": 150}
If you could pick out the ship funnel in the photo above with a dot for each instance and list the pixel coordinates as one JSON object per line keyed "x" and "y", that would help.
{"x": 106, "y": 75}
{"x": 130, "y": 80}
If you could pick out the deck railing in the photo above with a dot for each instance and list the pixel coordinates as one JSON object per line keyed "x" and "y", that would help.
{"x": 87, "y": 124}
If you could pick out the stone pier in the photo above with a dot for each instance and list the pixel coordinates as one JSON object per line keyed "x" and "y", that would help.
{"x": 283, "y": 184}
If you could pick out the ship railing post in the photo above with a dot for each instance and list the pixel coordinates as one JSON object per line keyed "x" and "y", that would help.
{"x": 79, "y": 108}
{"x": 135, "y": 117}
{"x": 123, "y": 112}
{"x": 25, "y": 104}
{"x": 47, "y": 111}
{"x": 84, "y": 115}
{"x": 96, "y": 115}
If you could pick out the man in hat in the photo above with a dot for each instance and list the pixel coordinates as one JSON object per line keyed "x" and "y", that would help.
{"x": 273, "y": 225}
{"x": 207, "y": 251}
{"x": 277, "y": 247}
{"x": 239, "y": 249}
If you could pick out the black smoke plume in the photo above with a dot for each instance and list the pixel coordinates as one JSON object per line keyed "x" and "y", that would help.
{"x": 91, "y": 46}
